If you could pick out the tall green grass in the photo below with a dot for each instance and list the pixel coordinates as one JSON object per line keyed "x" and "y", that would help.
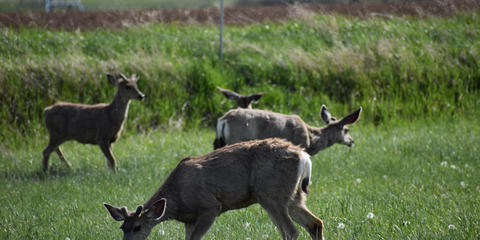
{"x": 397, "y": 69}
{"x": 420, "y": 180}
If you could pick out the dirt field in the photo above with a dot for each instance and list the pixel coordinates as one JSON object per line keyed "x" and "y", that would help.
{"x": 73, "y": 20}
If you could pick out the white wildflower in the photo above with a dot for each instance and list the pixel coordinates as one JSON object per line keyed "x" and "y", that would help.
{"x": 444, "y": 164}
{"x": 247, "y": 224}
{"x": 370, "y": 215}
{"x": 384, "y": 176}
{"x": 453, "y": 166}
{"x": 162, "y": 232}
{"x": 451, "y": 226}
{"x": 358, "y": 180}
{"x": 341, "y": 225}
{"x": 462, "y": 183}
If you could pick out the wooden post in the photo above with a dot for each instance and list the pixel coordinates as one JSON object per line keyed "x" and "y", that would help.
{"x": 48, "y": 6}
{"x": 221, "y": 30}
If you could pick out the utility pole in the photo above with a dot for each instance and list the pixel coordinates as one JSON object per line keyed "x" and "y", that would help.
{"x": 221, "y": 30}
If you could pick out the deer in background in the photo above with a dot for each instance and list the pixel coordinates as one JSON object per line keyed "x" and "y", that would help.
{"x": 243, "y": 101}
{"x": 99, "y": 124}
{"x": 271, "y": 172}
{"x": 247, "y": 124}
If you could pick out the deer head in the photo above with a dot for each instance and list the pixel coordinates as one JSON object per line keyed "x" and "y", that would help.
{"x": 337, "y": 130}
{"x": 127, "y": 88}
{"x": 138, "y": 224}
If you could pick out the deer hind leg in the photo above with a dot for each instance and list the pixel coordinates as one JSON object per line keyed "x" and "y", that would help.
{"x": 62, "y": 157}
{"x": 305, "y": 218}
{"x": 52, "y": 145}
{"x": 106, "y": 148}
{"x": 278, "y": 212}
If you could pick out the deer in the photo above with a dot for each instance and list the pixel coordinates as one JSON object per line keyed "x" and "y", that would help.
{"x": 247, "y": 124}
{"x": 99, "y": 124}
{"x": 271, "y": 172}
{"x": 243, "y": 101}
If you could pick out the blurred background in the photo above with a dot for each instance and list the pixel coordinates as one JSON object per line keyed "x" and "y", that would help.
{"x": 39, "y": 5}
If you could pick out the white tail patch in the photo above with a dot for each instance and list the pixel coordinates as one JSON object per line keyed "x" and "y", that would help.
{"x": 223, "y": 131}
{"x": 304, "y": 167}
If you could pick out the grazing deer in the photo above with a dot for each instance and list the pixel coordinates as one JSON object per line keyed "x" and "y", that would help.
{"x": 271, "y": 172}
{"x": 247, "y": 124}
{"x": 243, "y": 101}
{"x": 94, "y": 124}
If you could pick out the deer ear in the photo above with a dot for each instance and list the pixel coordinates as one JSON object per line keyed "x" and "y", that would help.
{"x": 158, "y": 209}
{"x": 122, "y": 77}
{"x": 112, "y": 79}
{"x": 325, "y": 114}
{"x": 230, "y": 95}
{"x": 135, "y": 77}
{"x": 117, "y": 213}
{"x": 139, "y": 210}
{"x": 351, "y": 118}
{"x": 256, "y": 96}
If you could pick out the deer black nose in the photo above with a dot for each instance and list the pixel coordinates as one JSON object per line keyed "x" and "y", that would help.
{"x": 140, "y": 96}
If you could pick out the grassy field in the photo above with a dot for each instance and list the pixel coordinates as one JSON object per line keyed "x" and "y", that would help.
{"x": 419, "y": 180}
{"x": 414, "y": 169}
{"x": 399, "y": 68}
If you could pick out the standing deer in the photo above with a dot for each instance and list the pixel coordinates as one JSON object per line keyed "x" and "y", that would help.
{"x": 94, "y": 124}
{"x": 243, "y": 101}
{"x": 271, "y": 172}
{"x": 247, "y": 124}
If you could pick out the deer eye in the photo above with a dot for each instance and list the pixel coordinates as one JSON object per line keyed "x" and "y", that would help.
{"x": 137, "y": 228}
{"x": 128, "y": 87}
{"x": 346, "y": 130}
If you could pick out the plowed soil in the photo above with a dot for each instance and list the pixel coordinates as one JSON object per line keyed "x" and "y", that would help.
{"x": 73, "y": 20}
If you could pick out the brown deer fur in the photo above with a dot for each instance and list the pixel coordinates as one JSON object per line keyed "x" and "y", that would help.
{"x": 247, "y": 124}
{"x": 271, "y": 172}
{"x": 94, "y": 124}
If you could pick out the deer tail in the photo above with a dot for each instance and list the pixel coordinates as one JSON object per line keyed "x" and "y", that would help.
{"x": 220, "y": 136}
{"x": 305, "y": 171}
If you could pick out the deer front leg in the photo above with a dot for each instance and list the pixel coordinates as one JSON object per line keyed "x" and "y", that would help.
{"x": 107, "y": 151}
{"x": 188, "y": 230}
{"x": 202, "y": 224}
{"x": 52, "y": 145}
{"x": 46, "y": 155}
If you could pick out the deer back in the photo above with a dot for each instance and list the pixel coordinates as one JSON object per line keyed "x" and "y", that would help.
{"x": 248, "y": 124}
{"x": 234, "y": 175}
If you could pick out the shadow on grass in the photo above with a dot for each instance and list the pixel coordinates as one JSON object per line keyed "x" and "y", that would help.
{"x": 39, "y": 175}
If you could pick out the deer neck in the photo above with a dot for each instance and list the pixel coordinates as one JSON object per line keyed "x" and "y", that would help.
{"x": 118, "y": 109}
{"x": 319, "y": 140}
